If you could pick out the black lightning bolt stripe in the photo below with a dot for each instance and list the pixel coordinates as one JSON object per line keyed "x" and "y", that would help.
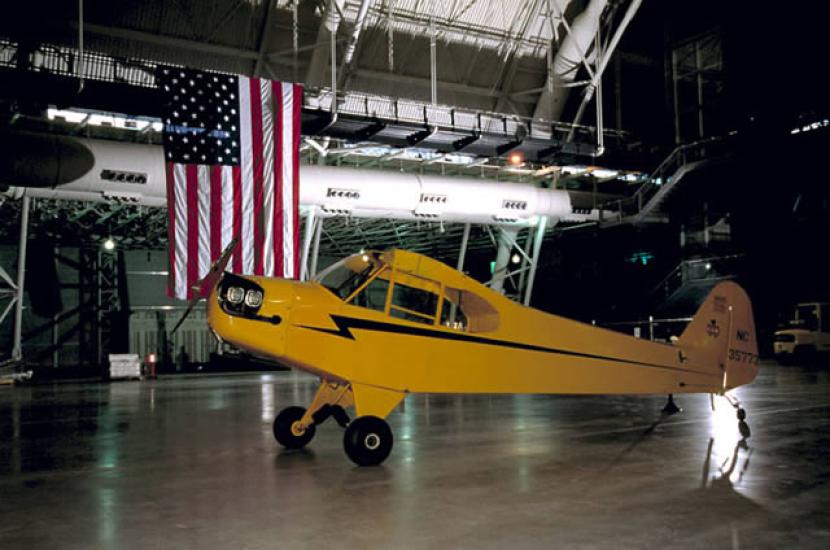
{"x": 346, "y": 324}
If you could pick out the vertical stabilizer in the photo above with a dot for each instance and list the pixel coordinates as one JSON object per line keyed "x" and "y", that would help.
{"x": 722, "y": 335}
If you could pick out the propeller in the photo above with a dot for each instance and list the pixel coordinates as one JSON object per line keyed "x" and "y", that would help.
{"x": 203, "y": 286}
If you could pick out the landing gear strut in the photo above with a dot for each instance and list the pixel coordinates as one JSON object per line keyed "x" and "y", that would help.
{"x": 294, "y": 427}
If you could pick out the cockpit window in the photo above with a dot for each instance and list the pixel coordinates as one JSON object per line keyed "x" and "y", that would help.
{"x": 466, "y": 311}
{"x": 413, "y": 304}
{"x": 347, "y": 275}
{"x": 452, "y": 316}
{"x": 373, "y": 295}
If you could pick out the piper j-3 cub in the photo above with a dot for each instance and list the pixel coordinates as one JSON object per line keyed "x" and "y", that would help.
{"x": 378, "y": 326}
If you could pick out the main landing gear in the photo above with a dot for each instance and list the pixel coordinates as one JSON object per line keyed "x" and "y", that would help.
{"x": 367, "y": 441}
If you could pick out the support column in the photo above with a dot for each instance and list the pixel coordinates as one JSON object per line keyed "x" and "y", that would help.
{"x": 310, "y": 224}
{"x": 462, "y": 254}
{"x": 17, "y": 348}
{"x": 523, "y": 264}
{"x": 507, "y": 236}
{"x": 534, "y": 259}
{"x": 315, "y": 251}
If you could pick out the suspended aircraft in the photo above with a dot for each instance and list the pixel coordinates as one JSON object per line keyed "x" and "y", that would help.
{"x": 380, "y": 325}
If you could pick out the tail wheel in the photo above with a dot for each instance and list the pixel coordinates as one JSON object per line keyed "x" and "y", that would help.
{"x": 286, "y": 430}
{"x": 368, "y": 440}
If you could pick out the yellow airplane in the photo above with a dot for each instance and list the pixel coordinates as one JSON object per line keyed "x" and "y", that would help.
{"x": 378, "y": 326}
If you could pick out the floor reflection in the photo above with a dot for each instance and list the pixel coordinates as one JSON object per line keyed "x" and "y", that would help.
{"x": 186, "y": 463}
{"x": 725, "y": 472}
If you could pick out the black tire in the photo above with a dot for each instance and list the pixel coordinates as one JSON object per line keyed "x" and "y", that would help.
{"x": 282, "y": 429}
{"x": 804, "y": 354}
{"x": 368, "y": 440}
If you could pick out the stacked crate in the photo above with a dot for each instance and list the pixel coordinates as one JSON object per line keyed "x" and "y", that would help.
{"x": 124, "y": 366}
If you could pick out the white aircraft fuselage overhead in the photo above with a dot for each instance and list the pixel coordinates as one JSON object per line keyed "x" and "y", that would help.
{"x": 134, "y": 173}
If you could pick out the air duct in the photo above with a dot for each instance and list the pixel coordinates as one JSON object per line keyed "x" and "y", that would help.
{"x": 576, "y": 44}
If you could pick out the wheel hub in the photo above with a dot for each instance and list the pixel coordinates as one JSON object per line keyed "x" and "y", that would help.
{"x": 297, "y": 429}
{"x": 371, "y": 441}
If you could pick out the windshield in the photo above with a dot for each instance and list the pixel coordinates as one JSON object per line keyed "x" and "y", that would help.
{"x": 346, "y": 276}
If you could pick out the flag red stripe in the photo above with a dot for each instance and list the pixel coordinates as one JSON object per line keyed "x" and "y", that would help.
{"x": 171, "y": 227}
{"x": 258, "y": 165}
{"x": 215, "y": 212}
{"x": 237, "y": 219}
{"x": 192, "y": 176}
{"x": 279, "y": 245}
{"x": 295, "y": 158}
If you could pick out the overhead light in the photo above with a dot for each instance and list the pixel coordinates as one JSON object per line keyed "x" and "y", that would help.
{"x": 516, "y": 258}
{"x": 574, "y": 169}
{"x": 603, "y": 173}
{"x": 109, "y": 244}
{"x": 68, "y": 115}
{"x": 546, "y": 170}
{"x": 516, "y": 158}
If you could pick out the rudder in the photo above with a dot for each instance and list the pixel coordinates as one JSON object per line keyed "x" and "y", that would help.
{"x": 722, "y": 335}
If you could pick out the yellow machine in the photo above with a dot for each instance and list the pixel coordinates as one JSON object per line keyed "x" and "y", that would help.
{"x": 377, "y": 326}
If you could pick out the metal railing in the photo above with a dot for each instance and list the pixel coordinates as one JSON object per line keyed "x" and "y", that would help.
{"x": 699, "y": 269}
{"x": 666, "y": 174}
{"x": 65, "y": 61}
{"x": 424, "y": 113}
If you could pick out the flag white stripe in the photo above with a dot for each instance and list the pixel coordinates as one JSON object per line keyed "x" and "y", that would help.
{"x": 227, "y": 205}
{"x": 180, "y": 254}
{"x": 204, "y": 218}
{"x": 267, "y": 177}
{"x": 289, "y": 149}
{"x": 246, "y": 163}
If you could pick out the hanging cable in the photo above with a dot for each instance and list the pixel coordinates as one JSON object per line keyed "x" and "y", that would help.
{"x": 81, "y": 45}
{"x": 390, "y": 39}
{"x": 296, "y": 35}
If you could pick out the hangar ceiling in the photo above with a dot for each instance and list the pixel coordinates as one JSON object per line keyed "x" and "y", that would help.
{"x": 423, "y": 85}
{"x": 489, "y": 55}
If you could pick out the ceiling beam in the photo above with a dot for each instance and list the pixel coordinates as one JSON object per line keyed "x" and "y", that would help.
{"x": 169, "y": 41}
{"x": 521, "y": 97}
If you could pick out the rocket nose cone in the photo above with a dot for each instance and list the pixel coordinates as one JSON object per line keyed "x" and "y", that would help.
{"x": 42, "y": 160}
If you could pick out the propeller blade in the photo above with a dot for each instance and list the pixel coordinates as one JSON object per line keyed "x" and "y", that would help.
{"x": 203, "y": 286}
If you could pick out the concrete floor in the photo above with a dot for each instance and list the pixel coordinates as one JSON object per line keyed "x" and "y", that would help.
{"x": 191, "y": 463}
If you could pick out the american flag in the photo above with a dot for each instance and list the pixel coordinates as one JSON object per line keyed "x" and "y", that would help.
{"x": 231, "y": 145}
